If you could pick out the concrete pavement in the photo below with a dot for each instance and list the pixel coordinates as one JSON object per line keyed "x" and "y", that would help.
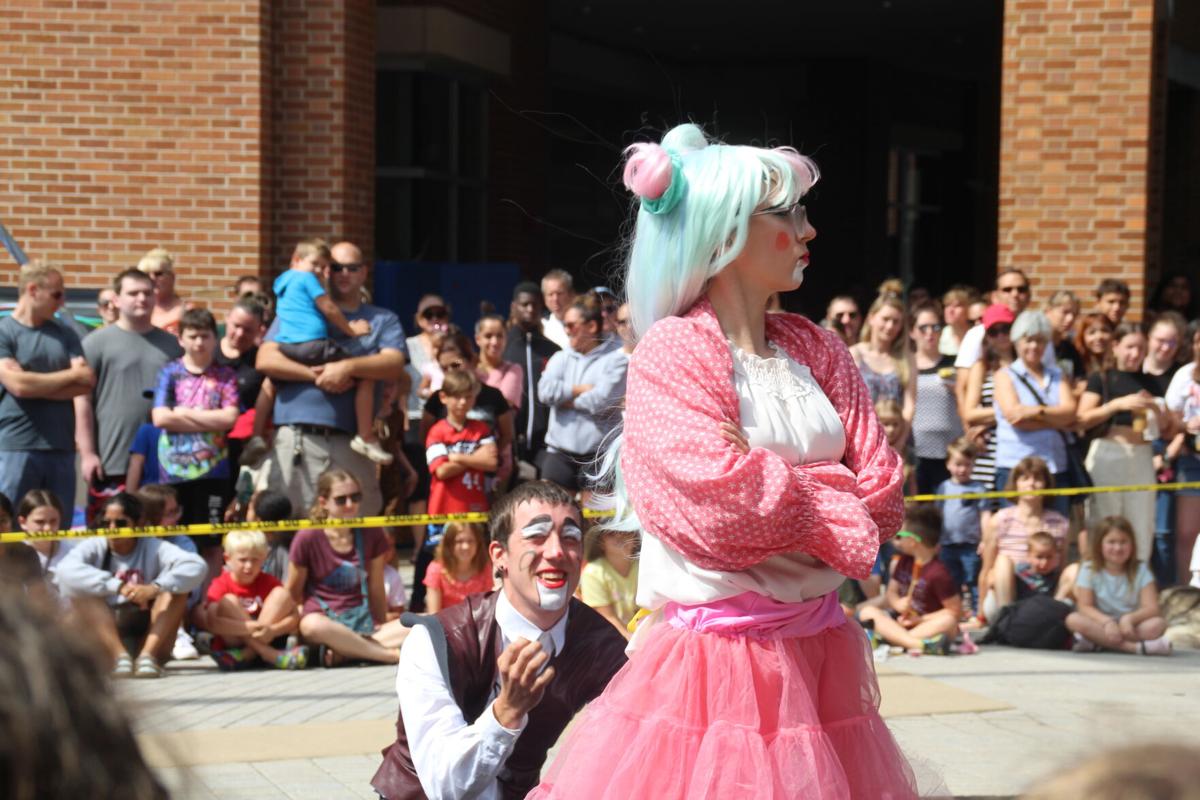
{"x": 987, "y": 724}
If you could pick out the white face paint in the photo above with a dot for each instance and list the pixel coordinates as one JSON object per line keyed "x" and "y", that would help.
{"x": 798, "y": 273}
{"x": 553, "y": 593}
{"x": 552, "y": 599}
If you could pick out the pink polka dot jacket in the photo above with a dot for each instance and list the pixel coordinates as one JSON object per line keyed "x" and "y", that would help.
{"x": 726, "y": 511}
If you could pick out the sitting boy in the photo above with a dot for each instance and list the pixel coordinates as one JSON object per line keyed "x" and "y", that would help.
{"x": 1041, "y": 573}
{"x": 247, "y": 609}
{"x": 130, "y": 588}
{"x": 922, "y": 600}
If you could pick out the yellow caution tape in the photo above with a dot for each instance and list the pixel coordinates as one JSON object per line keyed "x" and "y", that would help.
{"x": 400, "y": 520}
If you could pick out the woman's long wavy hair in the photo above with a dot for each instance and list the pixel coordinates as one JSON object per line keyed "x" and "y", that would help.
{"x": 671, "y": 256}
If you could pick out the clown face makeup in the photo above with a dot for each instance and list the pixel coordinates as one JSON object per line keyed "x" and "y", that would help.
{"x": 543, "y": 559}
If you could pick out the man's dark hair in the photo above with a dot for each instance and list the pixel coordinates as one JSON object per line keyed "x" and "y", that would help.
{"x": 134, "y": 273}
{"x": 1112, "y": 286}
{"x": 526, "y": 287}
{"x": 500, "y": 525}
{"x": 271, "y": 506}
{"x": 251, "y": 306}
{"x": 198, "y": 319}
{"x": 925, "y": 521}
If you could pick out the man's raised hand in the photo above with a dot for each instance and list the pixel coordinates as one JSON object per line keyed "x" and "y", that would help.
{"x": 521, "y": 685}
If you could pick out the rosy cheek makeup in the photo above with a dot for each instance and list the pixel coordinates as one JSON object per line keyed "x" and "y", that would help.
{"x": 782, "y": 241}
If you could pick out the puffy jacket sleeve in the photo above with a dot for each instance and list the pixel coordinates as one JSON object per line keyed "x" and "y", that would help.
{"x": 878, "y": 469}
{"x": 721, "y": 509}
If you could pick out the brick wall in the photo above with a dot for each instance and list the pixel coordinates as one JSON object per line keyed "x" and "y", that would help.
{"x": 128, "y": 125}
{"x": 1075, "y": 144}
{"x": 322, "y": 154}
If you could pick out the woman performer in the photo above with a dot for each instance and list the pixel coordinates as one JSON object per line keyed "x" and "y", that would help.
{"x": 759, "y": 476}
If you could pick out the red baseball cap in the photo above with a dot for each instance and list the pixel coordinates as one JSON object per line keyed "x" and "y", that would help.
{"x": 997, "y": 314}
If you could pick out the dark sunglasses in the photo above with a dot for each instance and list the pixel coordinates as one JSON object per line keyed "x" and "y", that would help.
{"x": 119, "y": 522}
{"x": 351, "y": 267}
{"x": 1019, "y": 289}
{"x": 347, "y": 499}
{"x": 1000, "y": 329}
{"x": 434, "y": 313}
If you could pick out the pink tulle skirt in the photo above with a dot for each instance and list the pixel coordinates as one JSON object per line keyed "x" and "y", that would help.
{"x": 699, "y": 714}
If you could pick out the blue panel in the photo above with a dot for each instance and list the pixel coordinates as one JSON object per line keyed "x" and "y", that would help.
{"x": 400, "y": 284}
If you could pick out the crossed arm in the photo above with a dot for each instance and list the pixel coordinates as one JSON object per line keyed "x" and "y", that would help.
{"x": 63, "y": 384}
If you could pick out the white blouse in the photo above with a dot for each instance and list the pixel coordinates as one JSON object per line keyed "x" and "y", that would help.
{"x": 783, "y": 409}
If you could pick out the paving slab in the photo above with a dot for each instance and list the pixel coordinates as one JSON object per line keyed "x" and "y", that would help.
{"x": 986, "y": 725}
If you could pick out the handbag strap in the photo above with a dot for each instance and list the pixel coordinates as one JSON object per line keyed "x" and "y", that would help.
{"x": 1038, "y": 396}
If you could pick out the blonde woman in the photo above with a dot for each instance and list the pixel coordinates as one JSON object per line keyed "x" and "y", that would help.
{"x": 168, "y": 306}
{"x": 884, "y": 359}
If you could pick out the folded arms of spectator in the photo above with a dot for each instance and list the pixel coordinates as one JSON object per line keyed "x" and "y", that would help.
{"x": 64, "y": 384}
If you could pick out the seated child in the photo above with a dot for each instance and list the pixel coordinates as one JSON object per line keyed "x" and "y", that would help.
{"x": 609, "y": 580}
{"x": 130, "y": 587}
{"x": 305, "y": 312}
{"x": 40, "y": 510}
{"x": 1041, "y": 572}
{"x": 269, "y": 505}
{"x": 393, "y": 585}
{"x": 19, "y": 562}
{"x": 461, "y": 566}
{"x": 923, "y": 602}
{"x": 247, "y": 609}
{"x": 160, "y": 506}
{"x": 1116, "y": 601}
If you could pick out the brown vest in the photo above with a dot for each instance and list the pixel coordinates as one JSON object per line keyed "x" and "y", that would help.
{"x": 592, "y": 653}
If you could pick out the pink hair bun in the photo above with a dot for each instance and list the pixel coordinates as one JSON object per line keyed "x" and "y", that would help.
{"x": 647, "y": 170}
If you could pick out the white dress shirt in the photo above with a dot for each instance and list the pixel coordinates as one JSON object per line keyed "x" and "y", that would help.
{"x": 782, "y": 408}
{"x": 552, "y": 329}
{"x": 454, "y": 759}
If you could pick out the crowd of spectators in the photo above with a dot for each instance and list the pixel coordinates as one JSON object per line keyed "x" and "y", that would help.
{"x": 306, "y": 400}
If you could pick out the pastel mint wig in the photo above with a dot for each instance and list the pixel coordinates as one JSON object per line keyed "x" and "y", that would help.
{"x": 672, "y": 255}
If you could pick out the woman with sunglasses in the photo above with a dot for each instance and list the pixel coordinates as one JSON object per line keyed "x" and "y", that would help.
{"x": 336, "y": 575}
{"x": 935, "y": 419}
{"x": 168, "y": 306}
{"x": 130, "y": 588}
{"x": 753, "y": 463}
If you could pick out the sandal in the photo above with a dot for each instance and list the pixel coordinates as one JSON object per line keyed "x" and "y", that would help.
{"x": 123, "y": 667}
{"x": 330, "y": 658}
{"x": 292, "y": 658}
{"x": 147, "y": 667}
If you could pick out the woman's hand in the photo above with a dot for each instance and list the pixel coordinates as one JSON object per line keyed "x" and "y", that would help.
{"x": 735, "y": 436}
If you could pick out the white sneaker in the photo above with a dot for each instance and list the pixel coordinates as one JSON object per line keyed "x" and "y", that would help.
{"x": 371, "y": 450}
{"x": 184, "y": 649}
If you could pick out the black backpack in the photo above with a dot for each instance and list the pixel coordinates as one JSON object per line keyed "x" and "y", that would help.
{"x": 1037, "y": 621}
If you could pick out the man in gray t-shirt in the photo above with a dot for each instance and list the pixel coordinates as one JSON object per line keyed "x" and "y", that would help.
{"x": 126, "y": 357}
{"x": 41, "y": 368}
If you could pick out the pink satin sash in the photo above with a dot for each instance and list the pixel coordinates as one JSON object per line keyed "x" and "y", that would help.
{"x": 750, "y": 614}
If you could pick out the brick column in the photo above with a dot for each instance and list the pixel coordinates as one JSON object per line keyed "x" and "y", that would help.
{"x": 131, "y": 125}
{"x": 1075, "y": 143}
{"x": 323, "y": 124}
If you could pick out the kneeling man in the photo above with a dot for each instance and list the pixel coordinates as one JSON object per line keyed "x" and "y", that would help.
{"x": 487, "y": 686}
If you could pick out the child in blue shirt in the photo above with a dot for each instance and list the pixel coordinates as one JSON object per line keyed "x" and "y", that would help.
{"x": 962, "y": 523}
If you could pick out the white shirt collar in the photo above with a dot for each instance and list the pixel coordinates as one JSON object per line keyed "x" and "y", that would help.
{"x": 512, "y": 624}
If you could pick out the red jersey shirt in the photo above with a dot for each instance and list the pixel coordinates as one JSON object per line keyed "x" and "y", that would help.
{"x": 463, "y": 492}
{"x": 251, "y": 597}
